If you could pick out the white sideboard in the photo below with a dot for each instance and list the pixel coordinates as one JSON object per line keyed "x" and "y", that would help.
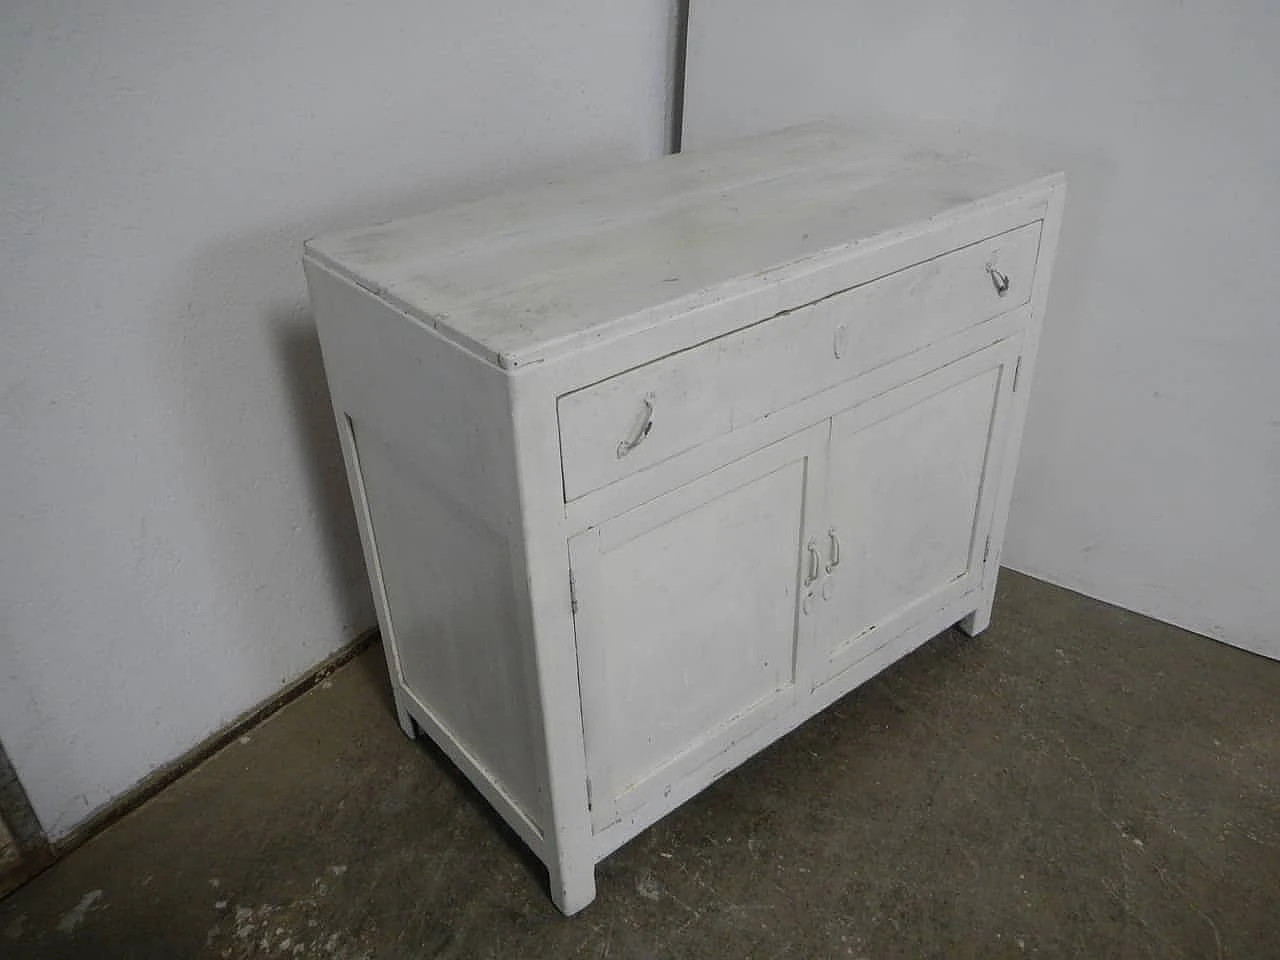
{"x": 651, "y": 466}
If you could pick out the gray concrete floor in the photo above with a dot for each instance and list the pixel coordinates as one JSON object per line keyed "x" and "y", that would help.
{"x": 1079, "y": 782}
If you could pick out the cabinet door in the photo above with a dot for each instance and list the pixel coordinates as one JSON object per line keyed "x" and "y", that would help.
{"x": 910, "y": 496}
{"x": 688, "y": 620}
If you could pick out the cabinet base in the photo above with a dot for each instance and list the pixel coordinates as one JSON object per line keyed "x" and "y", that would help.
{"x": 573, "y": 884}
{"x": 408, "y": 725}
{"x": 976, "y": 622}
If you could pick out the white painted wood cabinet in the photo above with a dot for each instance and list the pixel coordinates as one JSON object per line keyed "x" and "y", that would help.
{"x": 653, "y": 465}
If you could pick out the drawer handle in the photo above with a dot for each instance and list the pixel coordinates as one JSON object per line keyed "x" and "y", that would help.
{"x": 815, "y": 563}
{"x": 642, "y": 431}
{"x": 998, "y": 279}
{"x": 835, "y": 549}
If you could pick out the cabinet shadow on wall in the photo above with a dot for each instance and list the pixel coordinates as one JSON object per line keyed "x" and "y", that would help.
{"x": 302, "y": 369}
{"x": 273, "y": 566}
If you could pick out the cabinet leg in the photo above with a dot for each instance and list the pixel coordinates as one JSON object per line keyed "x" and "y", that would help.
{"x": 979, "y": 620}
{"x": 407, "y": 723}
{"x": 573, "y": 883}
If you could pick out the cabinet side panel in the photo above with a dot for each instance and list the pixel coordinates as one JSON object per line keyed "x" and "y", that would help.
{"x": 447, "y": 576}
{"x": 423, "y": 395}
{"x": 431, "y": 459}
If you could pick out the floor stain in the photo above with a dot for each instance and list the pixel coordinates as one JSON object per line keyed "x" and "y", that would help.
{"x": 71, "y": 920}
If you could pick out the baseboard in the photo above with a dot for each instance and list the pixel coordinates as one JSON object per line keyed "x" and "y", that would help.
{"x": 1190, "y": 625}
{"x": 168, "y": 773}
{"x": 26, "y": 846}
{"x": 27, "y": 866}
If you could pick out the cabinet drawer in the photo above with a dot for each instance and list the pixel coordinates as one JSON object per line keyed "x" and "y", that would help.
{"x": 619, "y": 426}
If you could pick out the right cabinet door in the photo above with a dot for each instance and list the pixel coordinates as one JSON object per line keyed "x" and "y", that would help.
{"x": 911, "y": 492}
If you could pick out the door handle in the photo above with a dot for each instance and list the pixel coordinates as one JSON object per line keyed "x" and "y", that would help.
{"x": 815, "y": 563}
{"x": 642, "y": 431}
{"x": 835, "y": 549}
{"x": 999, "y": 280}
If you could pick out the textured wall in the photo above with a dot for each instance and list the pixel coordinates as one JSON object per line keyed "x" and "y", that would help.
{"x": 175, "y": 536}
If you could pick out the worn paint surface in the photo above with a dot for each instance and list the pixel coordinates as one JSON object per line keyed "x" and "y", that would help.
{"x": 521, "y": 277}
{"x": 1072, "y": 783}
{"x": 808, "y": 228}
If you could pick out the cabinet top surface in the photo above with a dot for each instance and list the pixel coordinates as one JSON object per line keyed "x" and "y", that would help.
{"x": 522, "y": 276}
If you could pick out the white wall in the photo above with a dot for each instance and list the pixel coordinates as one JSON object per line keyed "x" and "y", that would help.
{"x": 1151, "y": 470}
{"x": 175, "y": 535}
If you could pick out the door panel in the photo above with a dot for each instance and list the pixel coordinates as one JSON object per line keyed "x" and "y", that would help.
{"x": 688, "y": 620}
{"x": 909, "y": 502}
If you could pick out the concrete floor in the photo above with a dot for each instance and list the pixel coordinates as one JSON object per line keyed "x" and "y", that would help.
{"x": 1080, "y": 781}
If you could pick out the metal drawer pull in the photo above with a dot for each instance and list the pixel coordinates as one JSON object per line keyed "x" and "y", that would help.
{"x": 835, "y": 549}
{"x": 642, "y": 431}
{"x": 815, "y": 563}
{"x": 998, "y": 279}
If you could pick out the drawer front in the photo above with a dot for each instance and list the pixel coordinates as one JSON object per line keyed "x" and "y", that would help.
{"x": 639, "y": 418}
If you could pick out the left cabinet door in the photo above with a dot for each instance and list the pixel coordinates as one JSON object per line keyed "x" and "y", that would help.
{"x": 690, "y": 620}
